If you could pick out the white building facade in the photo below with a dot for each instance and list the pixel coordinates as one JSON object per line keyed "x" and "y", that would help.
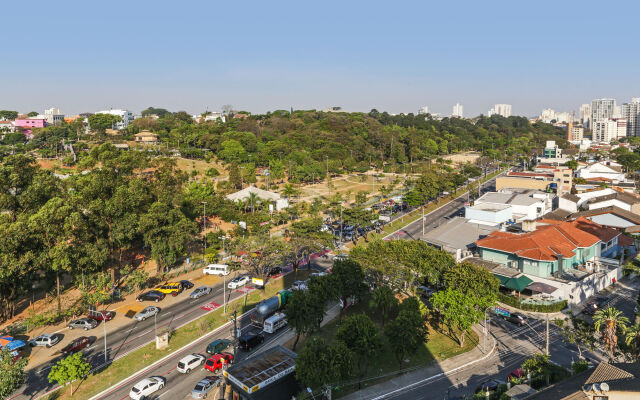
{"x": 585, "y": 115}
{"x": 501, "y": 109}
{"x": 125, "y": 115}
{"x": 602, "y": 110}
{"x": 457, "y": 111}
{"x": 631, "y": 112}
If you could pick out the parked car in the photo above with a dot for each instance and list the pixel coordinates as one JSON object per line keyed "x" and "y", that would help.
{"x": 275, "y": 271}
{"x": 146, "y": 387}
{"x": 489, "y": 385}
{"x": 76, "y": 345}
{"x": 218, "y": 361}
{"x": 318, "y": 274}
{"x": 238, "y": 281}
{"x": 200, "y": 291}
{"x": 515, "y": 374}
{"x": 172, "y": 288}
{"x": 203, "y": 387}
{"x": 596, "y": 304}
{"x": 47, "y": 340}
{"x": 299, "y": 285}
{"x": 101, "y": 315}
{"x": 216, "y": 269}
{"x": 186, "y": 284}
{"x": 146, "y": 313}
{"x": 250, "y": 340}
{"x": 83, "y": 323}
{"x": 188, "y": 363}
{"x": 152, "y": 295}
{"x": 517, "y": 319}
{"x": 217, "y": 346}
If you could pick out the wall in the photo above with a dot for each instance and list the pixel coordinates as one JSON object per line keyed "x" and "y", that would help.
{"x": 503, "y": 182}
{"x": 568, "y": 205}
{"x": 607, "y": 203}
{"x": 493, "y": 216}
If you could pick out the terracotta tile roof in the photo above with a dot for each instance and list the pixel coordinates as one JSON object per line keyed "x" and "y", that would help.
{"x": 549, "y": 242}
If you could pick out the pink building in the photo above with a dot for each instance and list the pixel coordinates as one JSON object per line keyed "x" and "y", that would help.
{"x": 30, "y": 123}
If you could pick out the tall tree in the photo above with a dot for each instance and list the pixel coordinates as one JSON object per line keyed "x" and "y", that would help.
{"x": 407, "y": 332}
{"x": 69, "y": 369}
{"x": 632, "y": 338}
{"x": 305, "y": 311}
{"x": 101, "y": 122}
{"x": 577, "y": 332}
{"x": 11, "y": 373}
{"x": 384, "y": 301}
{"x": 321, "y": 363}
{"x": 362, "y": 337}
{"x": 349, "y": 279}
{"x": 610, "y": 320}
{"x": 458, "y": 311}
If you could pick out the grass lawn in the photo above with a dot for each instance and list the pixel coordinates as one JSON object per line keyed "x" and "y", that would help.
{"x": 137, "y": 360}
{"x": 438, "y": 347}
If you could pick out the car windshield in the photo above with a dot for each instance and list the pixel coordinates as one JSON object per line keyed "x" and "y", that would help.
{"x": 135, "y": 390}
{"x": 199, "y": 387}
{"x": 209, "y": 362}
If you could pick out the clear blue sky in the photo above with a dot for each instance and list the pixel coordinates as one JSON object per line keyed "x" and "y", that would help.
{"x": 260, "y": 55}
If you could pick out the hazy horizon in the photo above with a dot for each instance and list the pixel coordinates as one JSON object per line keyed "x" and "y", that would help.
{"x": 83, "y": 57}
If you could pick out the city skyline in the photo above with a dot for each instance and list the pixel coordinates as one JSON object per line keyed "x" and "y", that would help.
{"x": 265, "y": 58}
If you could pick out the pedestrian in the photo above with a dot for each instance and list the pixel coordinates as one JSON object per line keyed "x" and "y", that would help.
{"x": 614, "y": 282}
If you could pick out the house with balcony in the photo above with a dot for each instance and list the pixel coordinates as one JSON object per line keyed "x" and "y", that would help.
{"x": 576, "y": 258}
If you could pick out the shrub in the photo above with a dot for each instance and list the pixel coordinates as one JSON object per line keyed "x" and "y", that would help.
{"x": 546, "y": 308}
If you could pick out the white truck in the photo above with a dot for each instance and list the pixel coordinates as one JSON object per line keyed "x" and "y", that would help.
{"x": 274, "y": 322}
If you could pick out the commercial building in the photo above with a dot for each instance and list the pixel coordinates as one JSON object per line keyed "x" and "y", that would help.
{"x": 559, "y": 180}
{"x": 551, "y": 150}
{"x": 30, "y": 123}
{"x": 53, "y": 116}
{"x": 457, "y": 111}
{"x": 574, "y": 132}
{"x": 631, "y": 112}
{"x": 520, "y": 205}
{"x": 501, "y": 109}
{"x": 125, "y": 115}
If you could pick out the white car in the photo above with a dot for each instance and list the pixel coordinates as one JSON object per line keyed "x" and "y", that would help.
{"x": 46, "y": 340}
{"x": 317, "y": 274}
{"x": 147, "y": 313}
{"x": 238, "y": 281}
{"x": 146, "y": 386}
{"x": 299, "y": 285}
{"x": 188, "y": 363}
{"x": 200, "y": 291}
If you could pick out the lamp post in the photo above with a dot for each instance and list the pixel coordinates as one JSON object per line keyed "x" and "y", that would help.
{"x": 155, "y": 324}
{"x": 486, "y": 330}
{"x": 104, "y": 326}
{"x": 204, "y": 227}
{"x": 223, "y": 237}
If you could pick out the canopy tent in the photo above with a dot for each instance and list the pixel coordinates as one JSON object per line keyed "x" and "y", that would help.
{"x": 502, "y": 279}
{"x": 5, "y": 340}
{"x": 518, "y": 283}
{"x": 540, "y": 287}
{"x": 14, "y": 345}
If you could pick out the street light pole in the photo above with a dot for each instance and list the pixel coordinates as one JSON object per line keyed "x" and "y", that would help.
{"x": 204, "y": 227}
{"x": 104, "y": 326}
{"x": 155, "y": 323}
{"x": 224, "y": 293}
{"x": 486, "y": 330}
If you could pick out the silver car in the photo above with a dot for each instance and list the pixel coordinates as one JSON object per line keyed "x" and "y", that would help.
{"x": 46, "y": 340}
{"x": 147, "y": 313}
{"x": 83, "y": 323}
{"x": 200, "y": 291}
{"x": 204, "y": 387}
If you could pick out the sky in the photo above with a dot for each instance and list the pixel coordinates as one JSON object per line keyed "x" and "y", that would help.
{"x": 395, "y": 56}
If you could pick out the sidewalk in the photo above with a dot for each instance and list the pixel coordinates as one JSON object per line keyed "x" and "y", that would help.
{"x": 426, "y": 374}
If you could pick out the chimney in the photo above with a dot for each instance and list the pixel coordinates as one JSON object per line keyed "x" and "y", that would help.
{"x": 529, "y": 225}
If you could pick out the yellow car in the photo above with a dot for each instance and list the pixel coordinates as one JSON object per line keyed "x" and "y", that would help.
{"x": 173, "y": 288}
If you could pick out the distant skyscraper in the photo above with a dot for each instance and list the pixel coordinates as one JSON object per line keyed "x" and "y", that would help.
{"x": 563, "y": 117}
{"x": 606, "y": 130}
{"x": 501, "y": 109}
{"x": 457, "y": 111}
{"x": 585, "y": 115}
{"x": 423, "y": 110}
{"x": 631, "y": 112}
{"x": 602, "y": 110}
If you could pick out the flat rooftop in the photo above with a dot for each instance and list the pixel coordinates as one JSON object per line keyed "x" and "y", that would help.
{"x": 262, "y": 369}
{"x": 458, "y": 233}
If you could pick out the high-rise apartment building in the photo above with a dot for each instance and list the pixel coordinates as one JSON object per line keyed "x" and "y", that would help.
{"x": 501, "y": 109}
{"x": 457, "y": 111}
{"x": 547, "y": 115}
{"x": 606, "y": 130}
{"x": 602, "y": 110}
{"x": 631, "y": 112}
{"x": 423, "y": 110}
{"x": 585, "y": 115}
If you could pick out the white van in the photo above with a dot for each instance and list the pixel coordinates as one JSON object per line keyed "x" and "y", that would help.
{"x": 274, "y": 322}
{"x": 216, "y": 269}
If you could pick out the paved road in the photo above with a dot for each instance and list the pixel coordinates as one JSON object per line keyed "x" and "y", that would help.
{"x": 136, "y": 334}
{"x": 439, "y": 216}
{"x": 515, "y": 344}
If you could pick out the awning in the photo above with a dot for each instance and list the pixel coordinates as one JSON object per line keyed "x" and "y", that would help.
{"x": 502, "y": 279}
{"x": 14, "y": 345}
{"x": 540, "y": 287}
{"x": 5, "y": 340}
{"x": 518, "y": 283}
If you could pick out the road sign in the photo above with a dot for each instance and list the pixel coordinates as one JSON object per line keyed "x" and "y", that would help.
{"x": 502, "y": 311}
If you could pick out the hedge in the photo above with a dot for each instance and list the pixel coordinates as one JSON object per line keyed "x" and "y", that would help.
{"x": 545, "y": 308}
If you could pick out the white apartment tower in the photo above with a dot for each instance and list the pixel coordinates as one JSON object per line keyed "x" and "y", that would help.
{"x": 606, "y": 130}
{"x": 585, "y": 115}
{"x": 602, "y": 110}
{"x": 547, "y": 115}
{"x": 631, "y": 112}
{"x": 501, "y": 109}
{"x": 457, "y": 111}
{"x": 423, "y": 110}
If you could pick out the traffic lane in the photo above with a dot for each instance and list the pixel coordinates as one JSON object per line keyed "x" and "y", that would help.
{"x": 181, "y": 384}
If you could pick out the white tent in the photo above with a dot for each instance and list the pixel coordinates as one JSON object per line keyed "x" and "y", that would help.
{"x": 262, "y": 194}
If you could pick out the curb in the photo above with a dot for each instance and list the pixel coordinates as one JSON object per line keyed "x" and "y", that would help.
{"x": 444, "y": 373}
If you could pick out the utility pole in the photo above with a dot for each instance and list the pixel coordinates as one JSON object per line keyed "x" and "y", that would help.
{"x": 204, "y": 228}
{"x": 235, "y": 334}
{"x": 423, "y": 220}
{"x": 546, "y": 351}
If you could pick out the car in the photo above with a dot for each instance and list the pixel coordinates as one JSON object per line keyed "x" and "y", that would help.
{"x": 188, "y": 363}
{"x": 318, "y": 274}
{"x": 299, "y": 285}
{"x": 250, "y": 340}
{"x": 83, "y": 323}
{"x": 101, "y": 315}
{"x": 238, "y": 281}
{"x": 217, "y": 346}
{"x": 172, "y": 288}
{"x": 517, "y": 319}
{"x": 275, "y": 271}
{"x": 152, "y": 295}
{"x": 76, "y": 345}
{"x": 200, "y": 291}
{"x": 596, "y": 304}
{"x": 186, "y": 284}
{"x": 147, "y": 312}
{"x": 489, "y": 385}
{"x": 203, "y": 387}
{"x": 341, "y": 257}
{"x": 515, "y": 374}
{"x": 146, "y": 387}
{"x": 218, "y": 361}
{"x": 46, "y": 340}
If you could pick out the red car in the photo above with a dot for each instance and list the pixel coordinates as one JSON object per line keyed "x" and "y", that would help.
{"x": 102, "y": 315}
{"x": 515, "y": 374}
{"x": 217, "y": 361}
{"x": 76, "y": 345}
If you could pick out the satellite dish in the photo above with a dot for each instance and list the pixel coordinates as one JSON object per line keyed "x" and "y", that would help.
{"x": 604, "y": 387}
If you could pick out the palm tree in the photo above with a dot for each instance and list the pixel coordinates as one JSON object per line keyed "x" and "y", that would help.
{"x": 610, "y": 319}
{"x": 632, "y": 336}
{"x": 253, "y": 199}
